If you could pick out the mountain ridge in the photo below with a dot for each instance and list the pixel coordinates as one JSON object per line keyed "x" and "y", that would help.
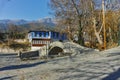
{"x": 45, "y": 23}
{"x": 49, "y": 21}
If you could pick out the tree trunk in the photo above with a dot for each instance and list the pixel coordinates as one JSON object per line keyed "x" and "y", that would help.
{"x": 110, "y": 34}
{"x": 98, "y": 38}
{"x": 97, "y": 34}
{"x": 80, "y": 37}
{"x": 104, "y": 28}
{"x": 69, "y": 34}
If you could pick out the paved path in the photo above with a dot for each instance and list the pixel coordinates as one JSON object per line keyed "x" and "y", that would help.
{"x": 93, "y": 66}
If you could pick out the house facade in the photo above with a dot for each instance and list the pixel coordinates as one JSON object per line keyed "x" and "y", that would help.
{"x": 42, "y": 38}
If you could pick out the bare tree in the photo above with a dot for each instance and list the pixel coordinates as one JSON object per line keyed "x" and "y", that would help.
{"x": 87, "y": 16}
{"x": 73, "y": 13}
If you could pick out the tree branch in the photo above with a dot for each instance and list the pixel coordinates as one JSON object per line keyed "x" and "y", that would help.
{"x": 77, "y": 10}
{"x": 100, "y": 29}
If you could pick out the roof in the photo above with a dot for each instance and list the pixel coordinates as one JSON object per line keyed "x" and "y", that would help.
{"x": 38, "y": 31}
{"x": 41, "y": 31}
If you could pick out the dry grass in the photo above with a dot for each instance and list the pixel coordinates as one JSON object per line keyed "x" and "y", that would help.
{"x": 112, "y": 45}
{"x": 23, "y": 46}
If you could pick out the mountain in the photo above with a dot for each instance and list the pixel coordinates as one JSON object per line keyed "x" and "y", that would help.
{"x": 16, "y": 22}
{"x": 45, "y": 21}
{"x": 49, "y": 21}
{"x": 35, "y": 24}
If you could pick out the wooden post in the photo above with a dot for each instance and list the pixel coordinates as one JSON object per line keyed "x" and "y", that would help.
{"x": 104, "y": 28}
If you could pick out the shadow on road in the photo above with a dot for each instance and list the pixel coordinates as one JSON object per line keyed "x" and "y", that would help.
{"x": 12, "y": 67}
{"x": 113, "y": 76}
{"x": 9, "y": 77}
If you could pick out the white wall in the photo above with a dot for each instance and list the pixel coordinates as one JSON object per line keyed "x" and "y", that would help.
{"x": 43, "y": 50}
{"x": 34, "y": 48}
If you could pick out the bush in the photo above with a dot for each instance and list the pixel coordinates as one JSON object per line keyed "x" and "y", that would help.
{"x": 19, "y": 46}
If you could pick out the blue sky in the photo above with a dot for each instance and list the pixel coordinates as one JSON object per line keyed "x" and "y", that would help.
{"x": 24, "y": 9}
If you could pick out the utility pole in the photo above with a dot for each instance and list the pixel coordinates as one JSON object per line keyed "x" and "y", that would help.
{"x": 104, "y": 28}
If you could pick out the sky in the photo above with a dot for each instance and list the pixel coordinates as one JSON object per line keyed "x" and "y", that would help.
{"x": 24, "y": 9}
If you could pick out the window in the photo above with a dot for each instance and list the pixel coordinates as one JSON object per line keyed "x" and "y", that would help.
{"x": 32, "y": 41}
{"x": 35, "y": 34}
{"x": 44, "y": 34}
{"x": 57, "y": 35}
{"x": 53, "y": 34}
{"x": 47, "y": 34}
{"x": 40, "y": 34}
